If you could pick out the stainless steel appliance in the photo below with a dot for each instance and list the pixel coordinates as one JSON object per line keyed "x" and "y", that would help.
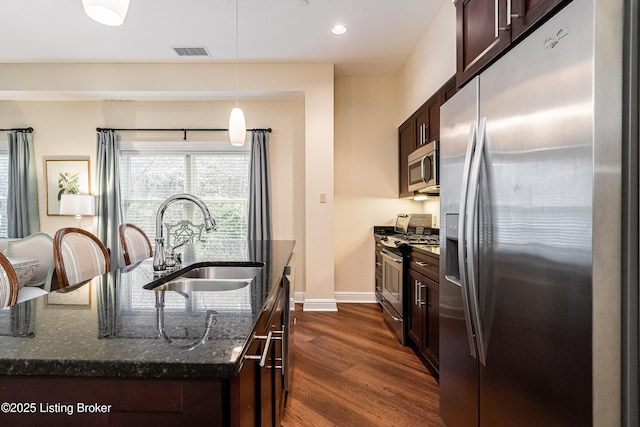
{"x": 393, "y": 267}
{"x": 526, "y": 158}
{"x": 409, "y": 229}
{"x": 423, "y": 167}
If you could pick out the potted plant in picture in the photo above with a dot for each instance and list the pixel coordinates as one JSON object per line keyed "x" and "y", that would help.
{"x": 68, "y": 183}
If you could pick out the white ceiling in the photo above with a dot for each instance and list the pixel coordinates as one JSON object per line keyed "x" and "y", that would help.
{"x": 382, "y": 33}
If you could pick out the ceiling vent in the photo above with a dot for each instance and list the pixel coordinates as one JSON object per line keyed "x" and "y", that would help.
{"x": 191, "y": 51}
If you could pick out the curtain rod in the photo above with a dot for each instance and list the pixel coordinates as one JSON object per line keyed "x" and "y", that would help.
{"x": 177, "y": 130}
{"x": 27, "y": 130}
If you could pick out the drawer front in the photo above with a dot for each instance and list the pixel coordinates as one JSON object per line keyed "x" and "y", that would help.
{"x": 425, "y": 265}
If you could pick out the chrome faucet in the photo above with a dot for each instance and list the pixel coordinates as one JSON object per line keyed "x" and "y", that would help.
{"x": 160, "y": 256}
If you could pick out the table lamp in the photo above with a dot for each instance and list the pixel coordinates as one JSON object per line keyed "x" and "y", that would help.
{"x": 78, "y": 205}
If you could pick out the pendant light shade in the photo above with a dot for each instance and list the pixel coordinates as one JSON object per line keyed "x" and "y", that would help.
{"x": 237, "y": 123}
{"x": 107, "y": 12}
{"x": 237, "y": 126}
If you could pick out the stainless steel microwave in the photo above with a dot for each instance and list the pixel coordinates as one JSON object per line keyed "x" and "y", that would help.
{"x": 423, "y": 169}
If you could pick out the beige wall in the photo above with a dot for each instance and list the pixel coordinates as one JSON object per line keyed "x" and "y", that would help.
{"x": 368, "y": 111}
{"x": 366, "y": 174}
{"x": 334, "y": 243}
{"x": 431, "y": 64}
{"x": 65, "y": 125}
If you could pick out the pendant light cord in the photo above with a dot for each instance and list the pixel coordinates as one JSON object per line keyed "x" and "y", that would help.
{"x": 237, "y": 78}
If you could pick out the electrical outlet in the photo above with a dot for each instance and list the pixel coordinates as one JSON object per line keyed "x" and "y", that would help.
{"x": 323, "y": 197}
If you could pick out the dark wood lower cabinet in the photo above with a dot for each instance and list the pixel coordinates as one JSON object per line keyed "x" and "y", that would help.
{"x": 255, "y": 397}
{"x": 43, "y": 400}
{"x": 424, "y": 302}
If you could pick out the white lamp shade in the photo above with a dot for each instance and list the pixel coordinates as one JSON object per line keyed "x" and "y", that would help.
{"x": 237, "y": 127}
{"x": 77, "y": 204}
{"x": 107, "y": 12}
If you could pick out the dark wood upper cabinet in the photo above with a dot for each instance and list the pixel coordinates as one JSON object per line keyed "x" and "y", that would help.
{"x": 448, "y": 90}
{"x": 433, "y": 129}
{"x": 485, "y": 29}
{"x": 422, "y": 127}
{"x": 407, "y": 144}
{"x": 480, "y": 37}
{"x": 526, "y": 15}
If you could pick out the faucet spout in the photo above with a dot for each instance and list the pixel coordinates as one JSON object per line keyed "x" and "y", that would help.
{"x": 159, "y": 257}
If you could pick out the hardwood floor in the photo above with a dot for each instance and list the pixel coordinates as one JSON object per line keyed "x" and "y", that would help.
{"x": 349, "y": 370}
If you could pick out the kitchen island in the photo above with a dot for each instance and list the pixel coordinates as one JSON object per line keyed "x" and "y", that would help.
{"x": 99, "y": 354}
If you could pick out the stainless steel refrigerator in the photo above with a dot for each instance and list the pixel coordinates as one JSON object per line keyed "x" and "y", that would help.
{"x": 530, "y": 204}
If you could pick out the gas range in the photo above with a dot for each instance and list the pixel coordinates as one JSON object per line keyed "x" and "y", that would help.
{"x": 410, "y": 230}
{"x": 402, "y": 240}
{"x": 410, "y": 239}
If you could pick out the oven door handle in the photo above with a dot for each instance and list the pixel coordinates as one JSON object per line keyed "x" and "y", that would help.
{"x": 392, "y": 256}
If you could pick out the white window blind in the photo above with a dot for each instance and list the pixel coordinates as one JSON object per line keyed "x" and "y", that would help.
{"x": 219, "y": 178}
{"x": 151, "y": 172}
{"x": 4, "y": 186}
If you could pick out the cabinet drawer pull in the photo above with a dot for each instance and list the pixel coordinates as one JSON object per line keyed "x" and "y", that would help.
{"x": 262, "y": 358}
{"x": 422, "y": 264}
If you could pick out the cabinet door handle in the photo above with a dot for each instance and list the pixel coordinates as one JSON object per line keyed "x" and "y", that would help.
{"x": 415, "y": 293}
{"x": 378, "y": 264}
{"x": 422, "y": 301}
{"x": 509, "y": 14}
{"x": 496, "y": 19}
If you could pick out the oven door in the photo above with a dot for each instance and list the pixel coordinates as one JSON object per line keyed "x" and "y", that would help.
{"x": 392, "y": 280}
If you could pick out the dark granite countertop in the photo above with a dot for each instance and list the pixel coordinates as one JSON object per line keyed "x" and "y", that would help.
{"x": 109, "y": 328}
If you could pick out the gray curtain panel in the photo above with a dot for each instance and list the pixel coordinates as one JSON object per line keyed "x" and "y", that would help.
{"x": 23, "y": 217}
{"x": 259, "y": 188}
{"x": 108, "y": 208}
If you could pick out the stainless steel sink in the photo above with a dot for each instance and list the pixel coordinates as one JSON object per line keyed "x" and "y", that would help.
{"x": 200, "y": 285}
{"x": 214, "y": 278}
{"x": 223, "y": 272}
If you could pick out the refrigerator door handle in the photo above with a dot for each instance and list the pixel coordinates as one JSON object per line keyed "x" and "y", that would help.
{"x": 470, "y": 216}
{"x": 462, "y": 266}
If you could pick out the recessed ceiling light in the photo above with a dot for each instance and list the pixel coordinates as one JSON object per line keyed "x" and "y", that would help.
{"x": 338, "y": 29}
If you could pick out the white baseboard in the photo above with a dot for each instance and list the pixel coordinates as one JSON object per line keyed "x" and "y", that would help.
{"x": 331, "y": 304}
{"x": 356, "y": 297}
{"x": 320, "y": 305}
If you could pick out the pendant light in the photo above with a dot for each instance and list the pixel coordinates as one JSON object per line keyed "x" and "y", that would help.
{"x": 107, "y": 12}
{"x": 237, "y": 123}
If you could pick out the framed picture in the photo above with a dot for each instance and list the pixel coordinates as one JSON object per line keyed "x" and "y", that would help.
{"x": 65, "y": 177}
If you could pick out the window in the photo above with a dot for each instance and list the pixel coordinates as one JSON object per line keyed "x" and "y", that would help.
{"x": 149, "y": 173}
{"x": 220, "y": 178}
